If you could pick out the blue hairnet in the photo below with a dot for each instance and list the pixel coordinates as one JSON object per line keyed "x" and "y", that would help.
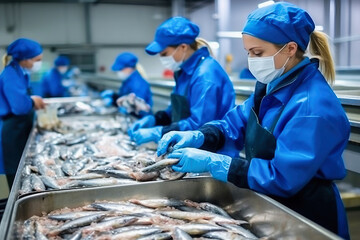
{"x": 124, "y": 60}
{"x": 61, "y": 61}
{"x": 280, "y": 23}
{"x": 174, "y": 31}
{"x": 24, "y": 48}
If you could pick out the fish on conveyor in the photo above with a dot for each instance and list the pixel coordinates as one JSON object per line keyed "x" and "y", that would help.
{"x": 36, "y": 183}
{"x": 50, "y": 182}
{"x": 123, "y": 208}
{"x": 110, "y": 224}
{"x": 78, "y": 222}
{"x": 71, "y": 215}
{"x": 113, "y": 173}
{"x": 158, "y": 203}
{"x": 160, "y": 165}
{"x": 180, "y": 235}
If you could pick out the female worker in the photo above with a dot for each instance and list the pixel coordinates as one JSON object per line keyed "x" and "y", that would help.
{"x": 16, "y": 105}
{"x": 51, "y": 82}
{"x": 126, "y": 67}
{"x": 203, "y": 91}
{"x": 293, "y": 127}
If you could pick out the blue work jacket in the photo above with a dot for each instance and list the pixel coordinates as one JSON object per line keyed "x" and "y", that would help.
{"x": 311, "y": 133}
{"x": 208, "y": 88}
{"x": 51, "y": 84}
{"x": 135, "y": 83}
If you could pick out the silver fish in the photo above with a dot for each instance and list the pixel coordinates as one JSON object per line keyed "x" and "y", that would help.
{"x": 113, "y": 173}
{"x": 160, "y": 165}
{"x": 86, "y": 176}
{"x": 169, "y": 174}
{"x": 239, "y": 230}
{"x": 157, "y": 236}
{"x": 158, "y": 203}
{"x": 110, "y": 224}
{"x": 26, "y": 185}
{"x": 39, "y": 232}
{"x": 225, "y": 236}
{"x": 199, "y": 229}
{"x": 50, "y": 182}
{"x": 76, "y": 140}
{"x": 72, "y": 215}
{"x": 103, "y": 182}
{"x": 36, "y": 183}
{"x": 135, "y": 234}
{"x": 181, "y": 235}
{"x": 214, "y": 209}
{"x": 29, "y": 229}
{"x": 79, "y": 222}
{"x": 123, "y": 208}
{"x": 75, "y": 236}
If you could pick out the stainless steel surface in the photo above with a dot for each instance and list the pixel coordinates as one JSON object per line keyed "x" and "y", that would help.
{"x": 266, "y": 217}
{"x": 66, "y": 100}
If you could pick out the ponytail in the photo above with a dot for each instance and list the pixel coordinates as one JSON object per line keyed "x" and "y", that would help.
{"x": 199, "y": 43}
{"x": 6, "y": 59}
{"x": 141, "y": 70}
{"x": 319, "y": 48}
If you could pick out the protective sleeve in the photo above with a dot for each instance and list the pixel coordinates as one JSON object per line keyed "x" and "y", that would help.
{"x": 205, "y": 99}
{"x": 16, "y": 92}
{"x": 172, "y": 127}
{"x": 305, "y": 144}
{"x": 214, "y": 139}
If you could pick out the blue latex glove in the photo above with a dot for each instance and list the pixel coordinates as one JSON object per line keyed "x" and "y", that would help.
{"x": 108, "y": 101}
{"x": 107, "y": 94}
{"x": 198, "y": 161}
{"x": 122, "y": 110}
{"x": 147, "y": 135}
{"x": 145, "y": 122}
{"x": 180, "y": 140}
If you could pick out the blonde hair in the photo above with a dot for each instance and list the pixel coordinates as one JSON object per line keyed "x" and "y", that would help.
{"x": 319, "y": 48}
{"x": 199, "y": 43}
{"x": 141, "y": 70}
{"x": 6, "y": 59}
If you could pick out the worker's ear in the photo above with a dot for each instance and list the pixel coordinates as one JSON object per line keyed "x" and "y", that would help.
{"x": 291, "y": 49}
{"x": 183, "y": 46}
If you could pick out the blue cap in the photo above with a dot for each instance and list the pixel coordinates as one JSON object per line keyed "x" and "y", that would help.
{"x": 62, "y": 61}
{"x": 172, "y": 32}
{"x": 280, "y": 23}
{"x": 124, "y": 60}
{"x": 23, "y": 48}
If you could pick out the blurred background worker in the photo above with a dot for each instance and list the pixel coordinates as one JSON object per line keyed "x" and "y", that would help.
{"x": 203, "y": 91}
{"x": 52, "y": 82}
{"x": 130, "y": 73}
{"x": 16, "y": 105}
{"x": 293, "y": 127}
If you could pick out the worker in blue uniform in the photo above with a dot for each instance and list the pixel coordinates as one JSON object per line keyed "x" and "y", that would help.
{"x": 293, "y": 128}
{"x": 203, "y": 91}
{"x": 16, "y": 103}
{"x": 51, "y": 83}
{"x": 125, "y": 66}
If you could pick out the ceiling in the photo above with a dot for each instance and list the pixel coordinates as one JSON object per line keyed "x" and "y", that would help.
{"x": 189, "y": 4}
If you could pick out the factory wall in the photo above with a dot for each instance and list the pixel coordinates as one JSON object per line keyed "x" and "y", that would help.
{"x": 113, "y": 28}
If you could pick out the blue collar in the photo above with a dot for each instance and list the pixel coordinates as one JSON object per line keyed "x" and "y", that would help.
{"x": 192, "y": 62}
{"x": 272, "y": 85}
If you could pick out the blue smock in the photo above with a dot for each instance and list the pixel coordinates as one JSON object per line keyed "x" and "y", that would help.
{"x": 208, "y": 88}
{"x": 2, "y": 170}
{"x": 311, "y": 135}
{"x": 51, "y": 84}
{"x": 135, "y": 83}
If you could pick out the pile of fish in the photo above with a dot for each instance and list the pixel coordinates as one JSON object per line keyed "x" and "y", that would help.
{"x": 94, "y": 107}
{"x": 161, "y": 218}
{"x": 91, "y": 153}
{"x": 133, "y": 104}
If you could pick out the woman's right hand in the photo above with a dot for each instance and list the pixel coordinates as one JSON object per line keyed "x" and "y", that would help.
{"x": 178, "y": 139}
{"x": 38, "y": 102}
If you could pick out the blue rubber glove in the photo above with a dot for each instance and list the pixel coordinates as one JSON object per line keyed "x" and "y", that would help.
{"x": 107, "y": 94}
{"x": 145, "y": 122}
{"x": 147, "y": 135}
{"x": 122, "y": 110}
{"x": 108, "y": 101}
{"x": 198, "y": 161}
{"x": 180, "y": 140}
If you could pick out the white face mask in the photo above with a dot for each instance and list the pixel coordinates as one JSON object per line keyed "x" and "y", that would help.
{"x": 122, "y": 75}
{"x": 36, "y": 66}
{"x": 169, "y": 62}
{"x": 263, "y": 68}
{"x": 62, "y": 70}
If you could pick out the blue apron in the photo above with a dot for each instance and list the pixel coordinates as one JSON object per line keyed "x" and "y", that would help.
{"x": 2, "y": 170}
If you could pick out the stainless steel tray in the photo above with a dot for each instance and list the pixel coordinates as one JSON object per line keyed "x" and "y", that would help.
{"x": 266, "y": 216}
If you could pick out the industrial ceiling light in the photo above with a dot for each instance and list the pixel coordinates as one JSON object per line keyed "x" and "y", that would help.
{"x": 264, "y": 4}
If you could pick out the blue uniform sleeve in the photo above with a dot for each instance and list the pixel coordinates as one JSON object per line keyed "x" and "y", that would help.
{"x": 205, "y": 97}
{"x": 15, "y": 91}
{"x": 45, "y": 86}
{"x": 303, "y": 146}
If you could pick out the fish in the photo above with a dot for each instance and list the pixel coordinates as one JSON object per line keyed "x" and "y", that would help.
{"x": 141, "y": 176}
{"x": 78, "y": 222}
{"x": 101, "y": 182}
{"x": 123, "y": 208}
{"x": 36, "y": 183}
{"x": 225, "y": 236}
{"x": 110, "y": 224}
{"x": 39, "y": 232}
{"x": 158, "y": 203}
{"x": 197, "y": 228}
{"x": 26, "y": 186}
{"x": 239, "y": 230}
{"x": 28, "y": 229}
{"x": 135, "y": 234}
{"x": 86, "y": 176}
{"x": 160, "y": 165}
{"x": 71, "y": 215}
{"x": 180, "y": 235}
{"x": 75, "y": 236}
{"x": 76, "y": 140}
{"x": 157, "y": 236}
{"x": 168, "y": 174}
{"x": 113, "y": 173}
{"x": 50, "y": 182}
